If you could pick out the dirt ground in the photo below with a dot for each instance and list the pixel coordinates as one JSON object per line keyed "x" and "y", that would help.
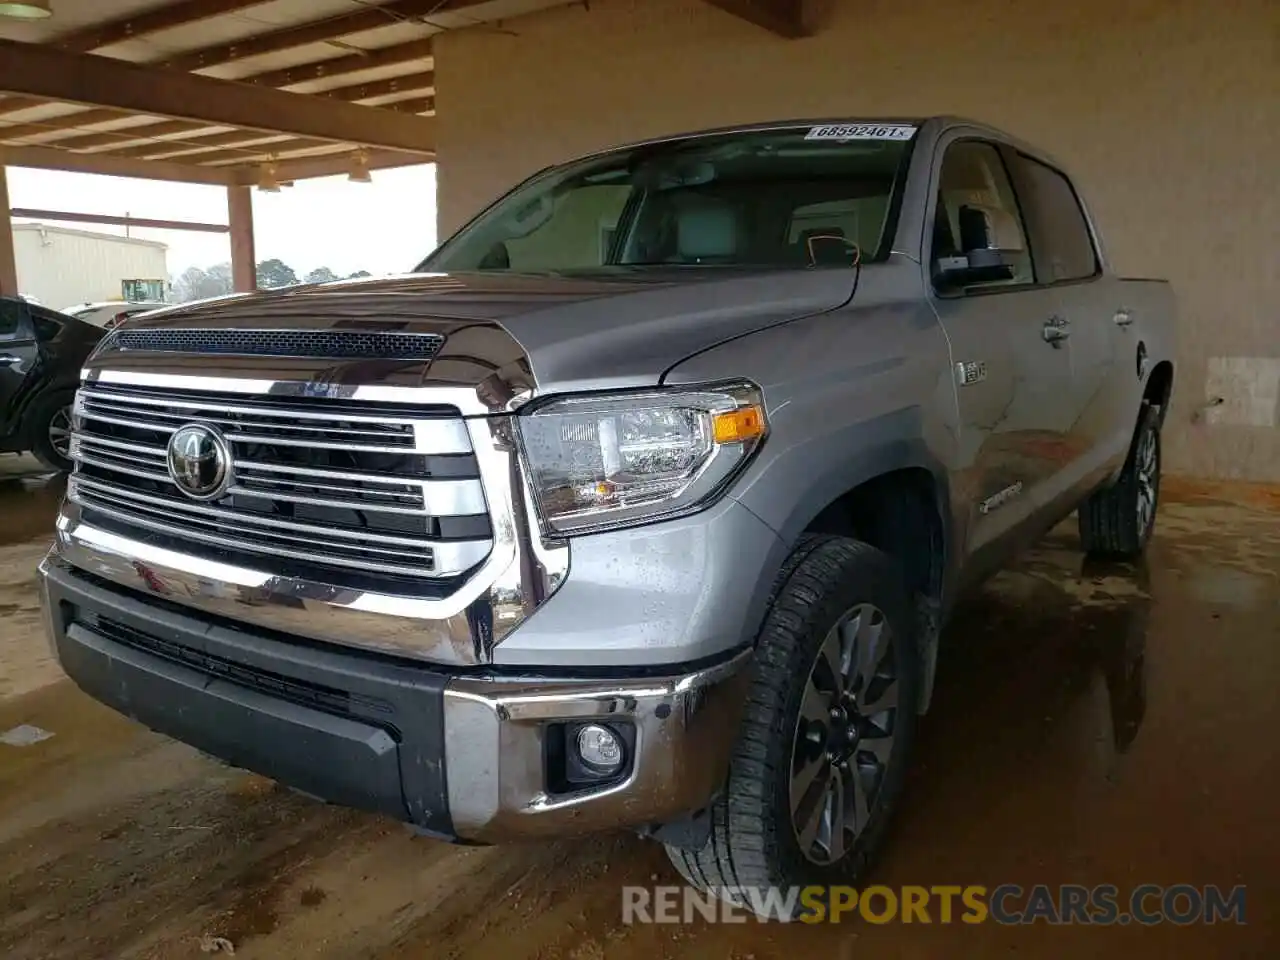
{"x": 1091, "y": 725}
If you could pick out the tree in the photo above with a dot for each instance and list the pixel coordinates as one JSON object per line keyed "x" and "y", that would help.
{"x": 186, "y": 285}
{"x": 321, "y": 275}
{"x": 275, "y": 273}
{"x": 221, "y": 281}
{"x": 197, "y": 284}
{"x": 359, "y": 275}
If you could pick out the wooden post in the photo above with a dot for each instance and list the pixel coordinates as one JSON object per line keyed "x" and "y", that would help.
{"x": 244, "y": 263}
{"x": 8, "y": 265}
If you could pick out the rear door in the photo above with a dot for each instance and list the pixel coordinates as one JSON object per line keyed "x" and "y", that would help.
{"x": 1012, "y": 385}
{"x": 1067, "y": 259}
{"x": 18, "y": 355}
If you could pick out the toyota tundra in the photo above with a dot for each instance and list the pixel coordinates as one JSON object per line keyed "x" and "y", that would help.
{"x": 641, "y": 503}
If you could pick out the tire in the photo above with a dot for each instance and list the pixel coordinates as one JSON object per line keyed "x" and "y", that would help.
{"x": 1117, "y": 522}
{"x": 754, "y": 842}
{"x": 45, "y": 415}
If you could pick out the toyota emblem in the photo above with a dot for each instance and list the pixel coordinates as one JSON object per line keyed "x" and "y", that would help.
{"x": 199, "y": 461}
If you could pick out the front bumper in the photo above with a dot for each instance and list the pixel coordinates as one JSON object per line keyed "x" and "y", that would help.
{"x": 460, "y": 753}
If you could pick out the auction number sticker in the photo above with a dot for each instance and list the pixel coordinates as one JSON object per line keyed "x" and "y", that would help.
{"x": 861, "y": 131}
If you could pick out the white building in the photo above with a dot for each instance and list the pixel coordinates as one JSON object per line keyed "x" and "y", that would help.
{"x": 60, "y": 266}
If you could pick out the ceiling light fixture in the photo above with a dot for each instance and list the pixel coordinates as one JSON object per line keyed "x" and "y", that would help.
{"x": 360, "y": 167}
{"x": 267, "y": 181}
{"x": 26, "y": 9}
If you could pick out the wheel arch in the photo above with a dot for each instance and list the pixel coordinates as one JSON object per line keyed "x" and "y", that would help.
{"x": 1159, "y": 387}
{"x": 882, "y": 487}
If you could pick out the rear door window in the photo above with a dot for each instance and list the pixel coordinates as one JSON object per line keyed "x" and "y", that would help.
{"x": 1064, "y": 249}
{"x": 13, "y": 320}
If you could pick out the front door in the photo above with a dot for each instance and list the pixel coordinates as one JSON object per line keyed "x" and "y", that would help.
{"x": 1011, "y": 360}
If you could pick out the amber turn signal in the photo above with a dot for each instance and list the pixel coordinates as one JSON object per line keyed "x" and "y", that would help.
{"x": 737, "y": 426}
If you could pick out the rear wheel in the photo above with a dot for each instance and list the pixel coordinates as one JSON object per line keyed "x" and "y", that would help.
{"x": 49, "y": 426}
{"x": 829, "y": 725}
{"x": 1117, "y": 522}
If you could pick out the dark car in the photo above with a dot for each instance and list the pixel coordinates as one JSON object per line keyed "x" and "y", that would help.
{"x": 41, "y": 352}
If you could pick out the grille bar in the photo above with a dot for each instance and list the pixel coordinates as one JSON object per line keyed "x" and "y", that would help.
{"x": 279, "y": 538}
{"x": 255, "y": 424}
{"x": 438, "y": 498}
{"x": 288, "y": 547}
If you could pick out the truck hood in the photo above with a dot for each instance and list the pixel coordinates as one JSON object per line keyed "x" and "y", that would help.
{"x": 624, "y": 328}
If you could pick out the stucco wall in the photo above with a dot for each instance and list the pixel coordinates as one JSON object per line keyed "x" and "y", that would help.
{"x": 1167, "y": 112}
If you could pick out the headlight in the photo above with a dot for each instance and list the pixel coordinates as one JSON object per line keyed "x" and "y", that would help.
{"x": 608, "y": 461}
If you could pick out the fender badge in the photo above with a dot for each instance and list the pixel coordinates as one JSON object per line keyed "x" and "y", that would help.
{"x": 969, "y": 372}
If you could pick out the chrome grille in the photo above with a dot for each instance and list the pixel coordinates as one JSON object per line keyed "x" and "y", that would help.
{"x": 331, "y": 344}
{"x": 332, "y": 490}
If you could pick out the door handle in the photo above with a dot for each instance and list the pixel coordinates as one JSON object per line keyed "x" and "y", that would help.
{"x": 1123, "y": 318}
{"x": 1055, "y": 333}
{"x": 8, "y": 359}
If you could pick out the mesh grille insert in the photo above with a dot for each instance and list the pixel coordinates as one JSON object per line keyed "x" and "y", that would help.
{"x": 338, "y": 344}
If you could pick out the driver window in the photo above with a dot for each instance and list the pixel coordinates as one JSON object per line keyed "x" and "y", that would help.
{"x": 577, "y": 234}
{"x": 974, "y": 187}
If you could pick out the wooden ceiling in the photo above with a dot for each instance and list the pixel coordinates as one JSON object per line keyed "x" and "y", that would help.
{"x": 210, "y": 91}
{"x": 217, "y": 91}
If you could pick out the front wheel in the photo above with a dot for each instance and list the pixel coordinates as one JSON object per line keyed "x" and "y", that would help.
{"x": 1117, "y": 522}
{"x": 828, "y": 728}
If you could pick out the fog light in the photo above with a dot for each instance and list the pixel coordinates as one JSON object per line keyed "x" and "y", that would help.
{"x": 599, "y": 749}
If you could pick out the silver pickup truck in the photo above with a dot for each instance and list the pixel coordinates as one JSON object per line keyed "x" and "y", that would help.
{"x": 642, "y": 503}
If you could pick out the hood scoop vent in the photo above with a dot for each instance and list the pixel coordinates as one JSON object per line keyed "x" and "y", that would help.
{"x": 329, "y": 344}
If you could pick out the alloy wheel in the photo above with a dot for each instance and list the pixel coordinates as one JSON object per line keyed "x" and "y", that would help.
{"x": 1147, "y": 469}
{"x": 844, "y": 735}
{"x": 60, "y": 432}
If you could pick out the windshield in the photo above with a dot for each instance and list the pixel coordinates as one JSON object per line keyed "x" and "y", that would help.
{"x": 792, "y": 197}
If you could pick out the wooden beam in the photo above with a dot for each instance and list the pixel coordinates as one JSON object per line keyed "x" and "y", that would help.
{"x": 336, "y": 67}
{"x": 783, "y": 17}
{"x": 84, "y": 78}
{"x": 331, "y": 165}
{"x": 244, "y": 262}
{"x": 341, "y": 66}
{"x": 8, "y": 261}
{"x": 172, "y": 128}
{"x": 417, "y": 106}
{"x": 152, "y": 132}
{"x": 146, "y": 22}
{"x": 131, "y": 27}
{"x": 262, "y": 151}
{"x": 164, "y": 149}
{"x": 195, "y": 146}
{"x": 316, "y": 31}
{"x": 70, "y": 121}
{"x": 67, "y": 216}
{"x": 370, "y": 89}
{"x": 46, "y": 158}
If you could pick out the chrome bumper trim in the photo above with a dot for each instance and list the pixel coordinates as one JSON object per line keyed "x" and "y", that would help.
{"x": 685, "y": 729}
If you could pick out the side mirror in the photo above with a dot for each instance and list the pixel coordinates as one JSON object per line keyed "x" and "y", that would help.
{"x": 987, "y": 236}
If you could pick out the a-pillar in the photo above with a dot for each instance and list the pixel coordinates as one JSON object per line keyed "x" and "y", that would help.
{"x": 8, "y": 263}
{"x": 244, "y": 264}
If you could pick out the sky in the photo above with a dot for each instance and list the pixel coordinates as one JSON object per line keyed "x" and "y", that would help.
{"x": 386, "y": 226}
